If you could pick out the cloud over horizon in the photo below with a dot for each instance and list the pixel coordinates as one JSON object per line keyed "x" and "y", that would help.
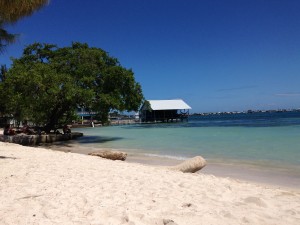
{"x": 288, "y": 94}
{"x": 238, "y": 88}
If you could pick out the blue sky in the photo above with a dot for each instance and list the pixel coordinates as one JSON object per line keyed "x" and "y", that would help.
{"x": 217, "y": 55}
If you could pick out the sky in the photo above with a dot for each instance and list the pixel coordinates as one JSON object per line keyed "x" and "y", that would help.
{"x": 216, "y": 55}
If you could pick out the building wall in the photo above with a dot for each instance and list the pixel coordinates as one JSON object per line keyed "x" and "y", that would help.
{"x": 159, "y": 115}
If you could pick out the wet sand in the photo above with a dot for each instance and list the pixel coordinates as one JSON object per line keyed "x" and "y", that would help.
{"x": 236, "y": 170}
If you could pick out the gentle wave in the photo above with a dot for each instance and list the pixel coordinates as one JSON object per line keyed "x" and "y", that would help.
{"x": 166, "y": 156}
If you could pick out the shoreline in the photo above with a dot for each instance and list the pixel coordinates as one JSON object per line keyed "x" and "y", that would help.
{"x": 237, "y": 170}
{"x": 42, "y": 186}
{"x": 262, "y": 175}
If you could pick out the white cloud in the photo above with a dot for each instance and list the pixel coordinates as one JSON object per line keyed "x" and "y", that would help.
{"x": 288, "y": 94}
{"x": 238, "y": 88}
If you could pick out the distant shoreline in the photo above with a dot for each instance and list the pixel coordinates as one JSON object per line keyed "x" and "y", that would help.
{"x": 245, "y": 112}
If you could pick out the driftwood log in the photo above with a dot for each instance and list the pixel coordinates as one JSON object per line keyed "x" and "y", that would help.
{"x": 190, "y": 166}
{"x": 108, "y": 154}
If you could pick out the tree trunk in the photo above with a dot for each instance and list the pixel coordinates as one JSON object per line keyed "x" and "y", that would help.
{"x": 56, "y": 114}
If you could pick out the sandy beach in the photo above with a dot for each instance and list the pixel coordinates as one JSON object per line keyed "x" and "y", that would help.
{"x": 41, "y": 186}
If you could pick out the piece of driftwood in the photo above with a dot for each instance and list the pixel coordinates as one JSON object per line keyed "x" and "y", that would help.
{"x": 109, "y": 154}
{"x": 190, "y": 166}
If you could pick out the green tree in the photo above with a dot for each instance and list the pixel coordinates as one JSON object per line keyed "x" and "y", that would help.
{"x": 5, "y": 37}
{"x": 13, "y": 10}
{"x": 3, "y": 71}
{"x": 47, "y": 84}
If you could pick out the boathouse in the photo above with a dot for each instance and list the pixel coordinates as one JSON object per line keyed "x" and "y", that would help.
{"x": 164, "y": 110}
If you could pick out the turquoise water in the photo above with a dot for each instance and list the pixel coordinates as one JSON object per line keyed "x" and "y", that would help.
{"x": 259, "y": 146}
{"x": 278, "y": 144}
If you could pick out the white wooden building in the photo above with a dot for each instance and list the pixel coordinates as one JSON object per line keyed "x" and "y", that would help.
{"x": 164, "y": 110}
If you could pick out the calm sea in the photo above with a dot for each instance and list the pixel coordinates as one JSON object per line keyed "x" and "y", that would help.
{"x": 255, "y": 142}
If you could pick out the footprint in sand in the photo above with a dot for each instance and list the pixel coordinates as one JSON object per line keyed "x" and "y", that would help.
{"x": 256, "y": 201}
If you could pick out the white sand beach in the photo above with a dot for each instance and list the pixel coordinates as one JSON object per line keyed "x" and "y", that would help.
{"x": 40, "y": 186}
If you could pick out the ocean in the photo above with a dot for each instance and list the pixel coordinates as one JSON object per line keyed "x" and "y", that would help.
{"x": 262, "y": 146}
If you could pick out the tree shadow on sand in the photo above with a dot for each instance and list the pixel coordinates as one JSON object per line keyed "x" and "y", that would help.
{"x": 85, "y": 140}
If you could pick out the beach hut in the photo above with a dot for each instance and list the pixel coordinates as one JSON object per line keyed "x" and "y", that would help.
{"x": 164, "y": 110}
{"x": 85, "y": 114}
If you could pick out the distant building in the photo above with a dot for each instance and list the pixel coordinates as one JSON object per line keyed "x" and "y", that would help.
{"x": 85, "y": 114}
{"x": 164, "y": 110}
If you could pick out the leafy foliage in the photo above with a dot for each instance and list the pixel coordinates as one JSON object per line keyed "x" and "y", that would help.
{"x": 3, "y": 71}
{"x": 13, "y": 10}
{"x": 5, "y": 37}
{"x": 48, "y": 83}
